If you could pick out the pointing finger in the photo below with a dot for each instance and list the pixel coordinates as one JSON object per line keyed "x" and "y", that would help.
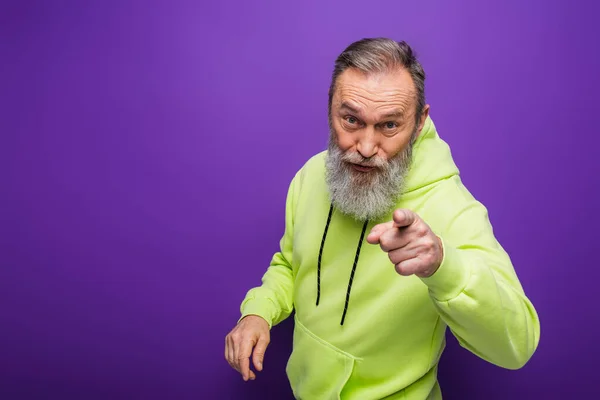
{"x": 377, "y": 231}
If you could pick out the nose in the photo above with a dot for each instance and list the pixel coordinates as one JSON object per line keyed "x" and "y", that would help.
{"x": 367, "y": 143}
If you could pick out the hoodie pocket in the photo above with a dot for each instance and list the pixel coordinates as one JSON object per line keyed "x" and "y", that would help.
{"x": 316, "y": 369}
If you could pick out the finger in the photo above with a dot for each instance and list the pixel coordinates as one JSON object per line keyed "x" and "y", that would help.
{"x": 232, "y": 345}
{"x": 377, "y": 231}
{"x": 228, "y": 350}
{"x": 259, "y": 352}
{"x": 403, "y": 217}
{"x": 409, "y": 267}
{"x": 395, "y": 238}
{"x": 402, "y": 254}
{"x": 235, "y": 345}
{"x": 243, "y": 358}
{"x": 252, "y": 375}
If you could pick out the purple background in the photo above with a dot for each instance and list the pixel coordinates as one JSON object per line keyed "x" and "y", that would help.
{"x": 146, "y": 150}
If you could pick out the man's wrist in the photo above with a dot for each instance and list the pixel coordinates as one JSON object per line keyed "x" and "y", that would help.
{"x": 451, "y": 277}
{"x": 251, "y": 315}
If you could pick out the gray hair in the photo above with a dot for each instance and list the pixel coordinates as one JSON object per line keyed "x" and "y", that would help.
{"x": 381, "y": 55}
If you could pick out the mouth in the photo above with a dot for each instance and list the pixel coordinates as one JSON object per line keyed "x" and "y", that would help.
{"x": 362, "y": 168}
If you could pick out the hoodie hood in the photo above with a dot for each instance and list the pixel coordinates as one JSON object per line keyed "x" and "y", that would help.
{"x": 432, "y": 160}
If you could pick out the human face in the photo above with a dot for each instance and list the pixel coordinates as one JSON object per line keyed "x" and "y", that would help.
{"x": 374, "y": 114}
{"x": 370, "y": 147}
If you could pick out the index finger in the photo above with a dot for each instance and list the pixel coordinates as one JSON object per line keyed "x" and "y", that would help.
{"x": 404, "y": 218}
{"x": 377, "y": 231}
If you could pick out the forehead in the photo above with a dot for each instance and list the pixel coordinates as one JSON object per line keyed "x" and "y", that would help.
{"x": 375, "y": 91}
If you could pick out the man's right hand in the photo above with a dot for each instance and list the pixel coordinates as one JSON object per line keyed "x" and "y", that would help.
{"x": 252, "y": 332}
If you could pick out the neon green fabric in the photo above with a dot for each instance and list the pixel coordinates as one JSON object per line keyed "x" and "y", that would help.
{"x": 393, "y": 334}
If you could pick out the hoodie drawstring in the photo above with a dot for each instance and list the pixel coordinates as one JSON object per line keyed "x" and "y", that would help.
{"x": 350, "y": 281}
{"x": 321, "y": 254}
{"x": 362, "y": 235}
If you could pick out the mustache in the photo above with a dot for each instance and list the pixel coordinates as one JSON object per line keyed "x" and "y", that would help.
{"x": 356, "y": 158}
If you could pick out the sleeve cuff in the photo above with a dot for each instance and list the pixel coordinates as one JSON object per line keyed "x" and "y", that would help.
{"x": 263, "y": 308}
{"x": 451, "y": 277}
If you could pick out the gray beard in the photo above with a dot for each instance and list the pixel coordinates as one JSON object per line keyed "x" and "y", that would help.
{"x": 366, "y": 195}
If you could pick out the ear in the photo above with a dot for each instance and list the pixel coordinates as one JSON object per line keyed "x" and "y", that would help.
{"x": 422, "y": 119}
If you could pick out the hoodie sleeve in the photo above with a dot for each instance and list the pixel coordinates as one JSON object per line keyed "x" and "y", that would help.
{"x": 476, "y": 290}
{"x": 273, "y": 300}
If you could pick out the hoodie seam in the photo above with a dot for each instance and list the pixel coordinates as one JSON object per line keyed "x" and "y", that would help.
{"x": 432, "y": 184}
{"x": 323, "y": 341}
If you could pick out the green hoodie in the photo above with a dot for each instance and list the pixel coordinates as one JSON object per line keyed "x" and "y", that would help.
{"x": 393, "y": 332}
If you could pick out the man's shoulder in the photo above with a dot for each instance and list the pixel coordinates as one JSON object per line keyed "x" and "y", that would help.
{"x": 313, "y": 167}
{"x": 311, "y": 173}
{"x": 316, "y": 162}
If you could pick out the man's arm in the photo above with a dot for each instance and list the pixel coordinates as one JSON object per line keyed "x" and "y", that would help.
{"x": 265, "y": 305}
{"x": 471, "y": 279}
{"x": 273, "y": 300}
{"x": 477, "y": 292}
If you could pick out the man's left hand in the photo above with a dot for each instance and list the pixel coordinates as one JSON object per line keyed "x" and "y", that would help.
{"x": 411, "y": 245}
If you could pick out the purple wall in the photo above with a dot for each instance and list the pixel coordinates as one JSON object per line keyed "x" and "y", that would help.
{"x": 146, "y": 152}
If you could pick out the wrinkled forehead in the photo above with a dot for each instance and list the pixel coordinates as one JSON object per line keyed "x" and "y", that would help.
{"x": 375, "y": 93}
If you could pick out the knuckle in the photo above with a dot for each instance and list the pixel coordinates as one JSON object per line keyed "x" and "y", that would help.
{"x": 432, "y": 248}
{"x": 428, "y": 245}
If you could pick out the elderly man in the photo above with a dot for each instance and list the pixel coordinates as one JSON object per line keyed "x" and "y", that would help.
{"x": 383, "y": 249}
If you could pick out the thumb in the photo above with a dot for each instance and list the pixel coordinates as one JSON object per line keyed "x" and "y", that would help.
{"x": 259, "y": 352}
{"x": 377, "y": 231}
{"x": 404, "y": 218}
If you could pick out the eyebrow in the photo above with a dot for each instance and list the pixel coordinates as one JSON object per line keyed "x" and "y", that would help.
{"x": 394, "y": 114}
{"x": 350, "y": 108}
{"x": 398, "y": 113}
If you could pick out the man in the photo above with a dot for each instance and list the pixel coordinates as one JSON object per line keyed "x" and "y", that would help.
{"x": 384, "y": 248}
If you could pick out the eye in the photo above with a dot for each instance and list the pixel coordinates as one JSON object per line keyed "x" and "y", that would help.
{"x": 351, "y": 120}
{"x": 390, "y": 125}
